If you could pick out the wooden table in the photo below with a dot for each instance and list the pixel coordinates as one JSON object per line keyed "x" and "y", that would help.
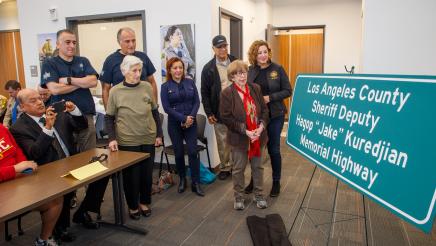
{"x": 29, "y": 192}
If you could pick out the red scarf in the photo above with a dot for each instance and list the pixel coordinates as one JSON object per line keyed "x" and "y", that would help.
{"x": 250, "y": 119}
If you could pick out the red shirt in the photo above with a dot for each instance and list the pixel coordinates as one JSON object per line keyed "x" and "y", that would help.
{"x": 10, "y": 154}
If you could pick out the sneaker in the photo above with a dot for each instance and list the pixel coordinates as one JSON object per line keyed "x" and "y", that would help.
{"x": 260, "y": 202}
{"x": 49, "y": 242}
{"x": 239, "y": 204}
{"x": 223, "y": 175}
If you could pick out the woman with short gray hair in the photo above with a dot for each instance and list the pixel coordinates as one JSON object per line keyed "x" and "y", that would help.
{"x": 133, "y": 124}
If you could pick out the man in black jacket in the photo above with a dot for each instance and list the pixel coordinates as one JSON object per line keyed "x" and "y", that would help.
{"x": 46, "y": 136}
{"x": 213, "y": 81}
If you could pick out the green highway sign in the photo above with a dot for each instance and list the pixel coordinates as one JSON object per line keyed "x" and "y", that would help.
{"x": 376, "y": 133}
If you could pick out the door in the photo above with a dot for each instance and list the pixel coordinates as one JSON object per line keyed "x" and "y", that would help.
{"x": 301, "y": 50}
{"x": 11, "y": 67}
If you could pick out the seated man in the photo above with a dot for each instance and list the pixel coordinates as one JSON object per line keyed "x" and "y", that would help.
{"x": 12, "y": 163}
{"x": 46, "y": 136}
{"x": 12, "y": 109}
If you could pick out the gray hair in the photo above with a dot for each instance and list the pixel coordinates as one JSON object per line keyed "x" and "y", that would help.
{"x": 128, "y": 62}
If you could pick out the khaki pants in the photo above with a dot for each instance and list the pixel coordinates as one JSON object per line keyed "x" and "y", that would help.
{"x": 240, "y": 161}
{"x": 86, "y": 139}
{"x": 223, "y": 147}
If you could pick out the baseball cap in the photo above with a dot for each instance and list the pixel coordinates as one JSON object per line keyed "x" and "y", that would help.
{"x": 219, "y": 40}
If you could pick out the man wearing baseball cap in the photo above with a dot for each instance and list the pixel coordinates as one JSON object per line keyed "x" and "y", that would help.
{"x": 213, "y": 81}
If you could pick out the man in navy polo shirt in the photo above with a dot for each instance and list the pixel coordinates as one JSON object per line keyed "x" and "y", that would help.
{"x": 111, "y": 72}
{"x": 69, "y": 78}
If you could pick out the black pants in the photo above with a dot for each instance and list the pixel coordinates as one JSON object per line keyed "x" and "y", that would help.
{"x": 177, "y": 135}
{"x": 275, "y": 127}
{"x": 138, "y": 178}
{"x": 94, "y": 196}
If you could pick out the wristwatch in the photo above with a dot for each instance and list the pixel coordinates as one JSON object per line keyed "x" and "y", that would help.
{"x": 69, "y": 80}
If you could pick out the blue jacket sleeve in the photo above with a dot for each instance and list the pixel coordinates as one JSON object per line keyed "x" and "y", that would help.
{"x": 166, "y": 104}
{"x": 196, "y": 104}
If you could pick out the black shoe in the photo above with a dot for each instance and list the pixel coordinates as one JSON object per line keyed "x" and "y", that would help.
{"x": 146, "y": 213}
{"x": 85, "y": 219}
{"x": 63, "y": 235}
{"x": 182, "y": 185}
{"x": 275, "y": 189}
{"x": 197, "y": 189}
{"x": 135, "y": 216}
{"x": 223, "y": 175}
{"x": 249, "y": 188}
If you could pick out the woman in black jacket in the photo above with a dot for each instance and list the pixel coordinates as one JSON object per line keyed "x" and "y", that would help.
{"x": 275, "y": 88}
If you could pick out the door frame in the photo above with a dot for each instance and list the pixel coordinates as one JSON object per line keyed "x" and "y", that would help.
{"x": 72, "y": 22}
{"x": 307, "y": 27}
{"x": 224, "y": 12}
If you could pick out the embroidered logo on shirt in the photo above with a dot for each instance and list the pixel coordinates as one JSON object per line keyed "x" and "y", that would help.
{"x": 3, "y": 147}
{"x": 274, "y": 75}
{"x": 81, "y": 66}
{"x": 46, "y": 75}
{"x": 102, "y": 73}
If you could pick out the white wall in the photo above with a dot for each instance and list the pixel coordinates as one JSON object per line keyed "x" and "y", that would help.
{"x": 343, "y": 27}
{"x": 255, "y": 17}
{"x": 399, "y": 37}
{"x": 9, "y": 16}
{"x": 34, "y": 19}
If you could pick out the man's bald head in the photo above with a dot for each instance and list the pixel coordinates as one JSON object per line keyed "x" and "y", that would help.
{"x": 127, "y": 40}
{"x": 30, "y": 102}
{"x": 122, "y": 30}
{"x": 24, "y": 94}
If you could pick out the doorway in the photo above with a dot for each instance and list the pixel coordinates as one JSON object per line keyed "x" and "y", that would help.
{"x": 298, "y": 49}
{"x": 97, "y": 36}
{"x": 230, "y": 25}
{"x": 11, "y": 67}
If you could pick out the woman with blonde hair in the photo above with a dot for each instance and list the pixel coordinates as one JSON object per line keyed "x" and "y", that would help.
{"x": 272, "y": 79}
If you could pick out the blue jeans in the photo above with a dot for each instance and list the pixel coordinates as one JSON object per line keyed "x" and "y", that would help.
{"x": 177, "y": 135}
{"x": 274, "y": 128}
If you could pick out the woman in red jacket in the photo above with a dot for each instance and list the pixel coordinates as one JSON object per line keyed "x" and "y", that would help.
{"x": 12, "y": 163}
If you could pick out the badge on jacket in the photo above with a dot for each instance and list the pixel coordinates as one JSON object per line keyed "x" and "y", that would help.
{"x": 274, "y": 75}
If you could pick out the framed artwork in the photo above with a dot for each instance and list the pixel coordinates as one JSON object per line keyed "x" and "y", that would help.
{"x": 46, "y": 46}
{"x": 178, "y": 41}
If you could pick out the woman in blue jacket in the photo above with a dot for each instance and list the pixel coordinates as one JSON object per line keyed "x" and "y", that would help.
{"x": 180, "y": 101}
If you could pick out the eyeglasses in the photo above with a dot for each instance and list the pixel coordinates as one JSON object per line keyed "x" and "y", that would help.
{"x": 240, "y": 73}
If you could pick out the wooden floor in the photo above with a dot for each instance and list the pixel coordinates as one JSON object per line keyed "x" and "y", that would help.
{"x": 307, "y": 198}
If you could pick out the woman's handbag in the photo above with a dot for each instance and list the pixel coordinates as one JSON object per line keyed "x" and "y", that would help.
{"x": 165, "y": 182}
{"x": 206, "y": 176}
